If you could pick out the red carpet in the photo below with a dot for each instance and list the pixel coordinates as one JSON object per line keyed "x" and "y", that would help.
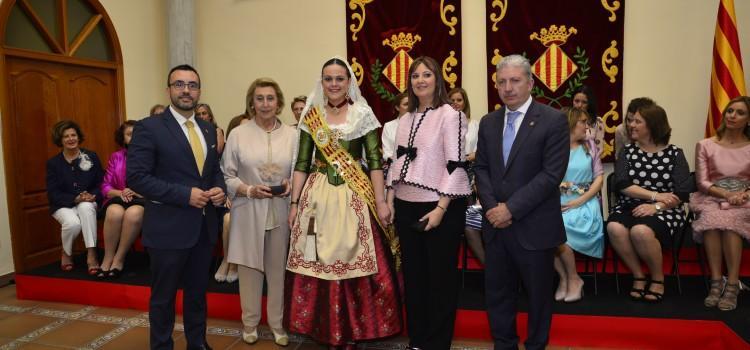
{"x": 567, "y": 330}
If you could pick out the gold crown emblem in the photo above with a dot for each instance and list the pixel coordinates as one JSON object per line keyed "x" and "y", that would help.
{"x": 402, "y": 41}
{"x": 554, "y": 35}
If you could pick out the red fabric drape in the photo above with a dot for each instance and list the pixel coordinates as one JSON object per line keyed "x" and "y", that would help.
{"x": 569, "y": 43}
{"x": 384, "y": 35}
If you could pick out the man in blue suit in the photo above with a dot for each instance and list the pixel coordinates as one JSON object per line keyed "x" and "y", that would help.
{"x": 172, "y": 161}
{"x": 521, "y": 158}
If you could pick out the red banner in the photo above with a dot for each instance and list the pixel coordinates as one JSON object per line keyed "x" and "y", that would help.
{"x": 384, "y": 36}
{"x": 569, "y": 43}
{"x": 727, "y": 76}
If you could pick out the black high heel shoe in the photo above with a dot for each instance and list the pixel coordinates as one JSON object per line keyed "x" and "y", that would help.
{"x": 641, "y": 291}
{"x": 657, "y": 297}
{"x": 114, "y": 273}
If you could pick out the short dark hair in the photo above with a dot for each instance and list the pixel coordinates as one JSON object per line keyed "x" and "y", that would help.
{"x": 120, "y": 132}
{"x": 59, "y": 128}
{"x": 723, "y": 127}
{"x": 637, "y": 103}
{"x": 657, "y": 123}
{"x": 186, "y": 67}
{"x": 440, "y": 96}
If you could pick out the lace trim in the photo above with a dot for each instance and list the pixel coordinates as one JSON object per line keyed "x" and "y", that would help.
{"x": 451, "y": 195}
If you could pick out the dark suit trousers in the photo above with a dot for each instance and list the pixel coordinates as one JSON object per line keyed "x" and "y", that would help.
{"x": 507, "y": 263}
{"x": 170, "y": 270}
{"x": 429, "y": 261}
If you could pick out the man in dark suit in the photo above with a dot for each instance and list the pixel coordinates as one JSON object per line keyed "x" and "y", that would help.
{"x": 172, "y": 161}
{"x": 522, "y": 155}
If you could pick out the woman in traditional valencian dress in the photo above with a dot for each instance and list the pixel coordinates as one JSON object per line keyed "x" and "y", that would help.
{"x": 341, "y": 285}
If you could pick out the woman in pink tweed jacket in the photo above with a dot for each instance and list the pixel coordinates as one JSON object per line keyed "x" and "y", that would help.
{"x": 428, "y": 184}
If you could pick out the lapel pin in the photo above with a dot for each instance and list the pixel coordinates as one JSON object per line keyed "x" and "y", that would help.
{"x": 532, "y": 123}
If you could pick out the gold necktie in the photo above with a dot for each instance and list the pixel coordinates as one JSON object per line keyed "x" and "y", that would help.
{"x": 195, "y": 144}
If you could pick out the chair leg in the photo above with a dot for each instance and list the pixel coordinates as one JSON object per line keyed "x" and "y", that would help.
{"x": 617, "y": 273}
{"x": 702, "y": 264}
{"x": 464, "y": 261}
{"x": 676, "y": 268}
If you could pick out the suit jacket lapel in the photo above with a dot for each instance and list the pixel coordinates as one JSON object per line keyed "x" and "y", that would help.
{"x": 176, "y": 130}
{"x": 529, "y": 121}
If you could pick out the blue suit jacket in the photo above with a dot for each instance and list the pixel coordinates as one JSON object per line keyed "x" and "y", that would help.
{"x": 529, "y": 183}
{"x": 161, "y": 167}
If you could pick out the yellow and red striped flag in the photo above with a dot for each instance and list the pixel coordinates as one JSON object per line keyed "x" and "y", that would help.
{"x": 727, "y": 77}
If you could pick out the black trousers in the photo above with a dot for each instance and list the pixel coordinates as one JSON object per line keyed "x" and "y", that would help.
{"x": 506, "y": 264}
{"x": 170, "y": 270}
{"x": 430, "y": 266}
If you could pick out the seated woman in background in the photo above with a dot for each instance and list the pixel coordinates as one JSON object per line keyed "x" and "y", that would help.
{"x": 226, "y": 272}
{"x": 388, "y": 137}
{"x": 585, "y": 99}
{"x": 473, "y": 231}
{"x": 653, "y": 179}
{"x": 203, "y": 111}
{"x": 622, "y": 132}
{"x": 156, "y": 110}
{"x": 581, "y": 209}
{"x": 722, "y": 170}
{"x": 123, "y": 207}
{"x": 73, "y": 179}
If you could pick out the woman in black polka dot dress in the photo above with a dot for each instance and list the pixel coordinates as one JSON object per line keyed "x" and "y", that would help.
{"x": 653, "y": 179}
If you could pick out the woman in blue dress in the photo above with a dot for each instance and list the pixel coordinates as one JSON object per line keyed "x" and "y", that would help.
{"x": 581, "y": 208}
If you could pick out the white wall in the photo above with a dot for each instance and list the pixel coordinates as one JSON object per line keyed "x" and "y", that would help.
{"x": 667, "y": 56}
{"x": 142, "y": 32}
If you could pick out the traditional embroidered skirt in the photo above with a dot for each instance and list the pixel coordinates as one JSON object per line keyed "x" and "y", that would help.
{"x": 323, "y": 300}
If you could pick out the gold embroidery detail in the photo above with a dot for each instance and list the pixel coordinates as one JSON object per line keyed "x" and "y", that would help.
{"x": 359, "y": 71}
{"x": 448, "y": 65}
{"x": 555, "y": 35}
{"x": 611, "y": 8}
{"x": 495, "y": 18}
{"x": 608, "y": 119}
{"x": 356, "y": 16}
{"x": 607, "y": 57}
{"x": 495, "y": 60}
{"x": 444, "y": 9}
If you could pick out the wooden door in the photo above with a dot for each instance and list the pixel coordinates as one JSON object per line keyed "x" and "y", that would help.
{"x": 58, "y": 60}
{"x": 43, "y": 93}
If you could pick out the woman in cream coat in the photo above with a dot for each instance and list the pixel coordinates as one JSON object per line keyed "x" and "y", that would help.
{"x": 256, "y": 163}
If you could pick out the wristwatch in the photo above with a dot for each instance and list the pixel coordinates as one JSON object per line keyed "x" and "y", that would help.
{"x": 658, "y": 207}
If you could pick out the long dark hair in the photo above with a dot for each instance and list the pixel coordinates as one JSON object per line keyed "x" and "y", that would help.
{"x": 591, "y": 104}
{"x": 440, "y": 97}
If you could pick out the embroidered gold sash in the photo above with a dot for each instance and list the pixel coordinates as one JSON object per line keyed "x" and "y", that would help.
{"x": 349, "y": 169}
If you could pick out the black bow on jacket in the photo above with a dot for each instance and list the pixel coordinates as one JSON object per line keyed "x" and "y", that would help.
{"x": 452, "y": 165}
{"x": 410, "y": 152}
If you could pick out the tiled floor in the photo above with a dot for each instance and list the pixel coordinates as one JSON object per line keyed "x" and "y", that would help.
{"x": 26, "y": 324}
{"x": 37, "y": 325}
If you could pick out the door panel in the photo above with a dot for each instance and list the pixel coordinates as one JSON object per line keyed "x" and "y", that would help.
{"x": 43, "y": 93}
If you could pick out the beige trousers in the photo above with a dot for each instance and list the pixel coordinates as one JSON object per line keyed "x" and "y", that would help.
{"x": 251, "y": 283}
